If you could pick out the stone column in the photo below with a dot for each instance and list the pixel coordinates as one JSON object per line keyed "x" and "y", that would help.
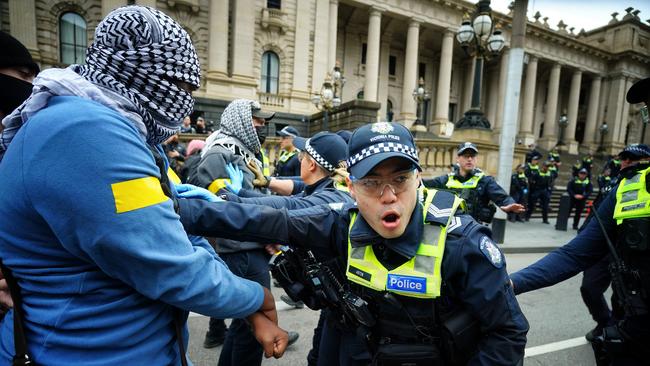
{"x": 333, "y": 29}
{"x": 625, "y": 117}
{"x": 22, "y": 24}
{"x": 384, "y": 58}
{"x": 320, "y": 59}
{"x": 300, "y": 93}
{"x": 218, "y": 40}
{"x": 526, "y": 129}
{"x": 444, "y": 82}
{"x": 592, "y": 138}
{"x": 243, "y": 49}
{"x": 574, "y": 101}
{"x": 410, "y": 73}
{"x": 468, "y": 85}
{"x": 503, "y": 73}
{"x": 549, "y": 138}
{"x": 372, "y": 55}
{"x": 149, "y": 3}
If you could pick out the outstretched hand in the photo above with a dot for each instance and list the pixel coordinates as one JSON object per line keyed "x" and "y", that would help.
{"x": 513, "y": 208}
{"x": 236, "y": 178}
{"x": 192, "y": 191}
{"x": 5, "y": 296}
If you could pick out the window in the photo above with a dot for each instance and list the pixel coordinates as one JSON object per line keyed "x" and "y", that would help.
{"x": 72, "y": 38}
{"x": 360, "y": 95}
{"x": 392, "y": 65}
{"x": 270, "y": 72}
{"x": 274, "y": 4}
{"x": 452, "y": 112}
{"x": 364, "y": 50}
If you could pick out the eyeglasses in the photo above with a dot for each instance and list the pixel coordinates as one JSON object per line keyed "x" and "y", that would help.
{"x": 398, "y": 183}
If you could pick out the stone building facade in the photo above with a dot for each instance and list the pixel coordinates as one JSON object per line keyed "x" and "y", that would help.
{"x": 279, "y": 52}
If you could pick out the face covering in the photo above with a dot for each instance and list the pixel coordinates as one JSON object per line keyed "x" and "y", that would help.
{"x": 261, "y": 133}
{"x": 13, "y": 92}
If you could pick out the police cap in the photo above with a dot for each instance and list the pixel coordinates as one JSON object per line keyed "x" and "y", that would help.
{"x": 326, "y": 148}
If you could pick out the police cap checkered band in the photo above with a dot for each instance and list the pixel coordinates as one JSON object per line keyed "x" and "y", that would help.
{"x": 382, "y": 147}
{"x": 319, "y": 159}
{"x": 637, "y": 151}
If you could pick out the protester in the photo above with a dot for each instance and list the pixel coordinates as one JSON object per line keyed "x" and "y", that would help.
{"x": 106, "y": 272}
{"x": 186, "y": 127}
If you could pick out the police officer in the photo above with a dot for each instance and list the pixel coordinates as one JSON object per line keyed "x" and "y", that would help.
{"x": 579, "y": 190}
{"x": 554, "y": 156}
{"x": 475, "y": 187}
{"x": 406, "y": 267}
{"x": 532, "y": 167}
{"x": 518, "y": 190}
{"x": 625, "y": 218}
{"x": 541, "y": 184}
{"x": 587, "y": 163}
{"x": 532, "y": 153}
{"x": 287, "y": 164}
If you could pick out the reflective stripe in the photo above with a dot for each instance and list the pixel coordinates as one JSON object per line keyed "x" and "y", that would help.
{"x": 173, "y": 177}
{"x": 137, "y": 193}
{"x": 218, "y": 184}
{"x": 341, "y": 187}
{"x": 632, "y": 198}
{"x": 420, "y": 277}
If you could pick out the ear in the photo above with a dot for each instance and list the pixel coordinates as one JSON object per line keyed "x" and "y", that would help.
{"x": 350, "y": 186}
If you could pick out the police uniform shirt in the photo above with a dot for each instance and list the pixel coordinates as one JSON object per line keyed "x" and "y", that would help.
{"x": 473, "y": 268}
{"x": 488, "y": 189}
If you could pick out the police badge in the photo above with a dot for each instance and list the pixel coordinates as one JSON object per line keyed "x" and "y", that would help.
{"x": 382, "y": 128}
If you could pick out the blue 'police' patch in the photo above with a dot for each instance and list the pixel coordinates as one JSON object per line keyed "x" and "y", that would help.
{"x": 490, "y": 250}
{"x": 406, "y": 283}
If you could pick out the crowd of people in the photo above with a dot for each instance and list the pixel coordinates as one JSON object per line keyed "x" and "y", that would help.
{"x": 104, "y": 256}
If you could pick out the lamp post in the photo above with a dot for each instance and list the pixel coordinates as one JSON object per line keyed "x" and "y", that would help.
{"x": 420, "y": 95}
{"x": 480, "y": 38}
{"x": 563, "y": 122}
{"x": 329, "y": 97}
{"x": 603, "y": 131}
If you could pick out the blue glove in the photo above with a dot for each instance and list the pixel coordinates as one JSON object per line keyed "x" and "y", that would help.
{"x": 525, "y": 190}
{"x": 191, "y": 191}
{"x": 236, "y": 178}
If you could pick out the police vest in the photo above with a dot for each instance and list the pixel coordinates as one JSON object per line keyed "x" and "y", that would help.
{"x": 265, "y": 164}
{"x": 632, "y": 198}
{"x": 522, "y": 176}
{"x": 341, "y": 187}
{"x": 533, "y": 168}
{"x": 582, "y": 182}
{"x": 420, "y": 277}
{"x": 286, "y": 155}
{"x": 545, "y": 174}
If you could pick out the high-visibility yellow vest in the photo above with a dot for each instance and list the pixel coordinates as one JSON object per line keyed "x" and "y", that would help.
{"x": 454, "y": 183}
{"x": 286, "y": 155}
{"x": 420, "y": 277}
{"x": 266, "y": 170}
{"x": 533, "y": 166}
{"x": 632, "y": 198}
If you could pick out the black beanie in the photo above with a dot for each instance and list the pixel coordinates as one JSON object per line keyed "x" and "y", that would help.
{"x": 15, "y": 54}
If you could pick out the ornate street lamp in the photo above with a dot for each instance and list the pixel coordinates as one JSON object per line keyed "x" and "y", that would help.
{"x": 420, "y": 95}
{"x": 481, "y": 38}
{"x": 603, "y": 131}
{"x": 563, "y": 121}
{"x": 329, "y": 97}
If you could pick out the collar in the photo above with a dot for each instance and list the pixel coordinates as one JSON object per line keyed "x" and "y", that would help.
{"x": 631, "y": 171}
{"x": 321, "y": 185}
{"x": 406, "y": 245}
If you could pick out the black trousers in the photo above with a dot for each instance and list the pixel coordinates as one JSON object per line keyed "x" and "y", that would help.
{"x": 595, "y": 281}
{"x": 544, "y": 197}
{"x": 520, "y": 198}
{"x": 579, "y": 206}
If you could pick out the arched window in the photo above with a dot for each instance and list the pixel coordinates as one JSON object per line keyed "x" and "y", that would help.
{"x": 72, "y": 38}
{"x": 270, "y": 72}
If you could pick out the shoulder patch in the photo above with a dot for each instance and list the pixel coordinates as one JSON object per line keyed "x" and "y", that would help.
{"x": 491, "y": 252}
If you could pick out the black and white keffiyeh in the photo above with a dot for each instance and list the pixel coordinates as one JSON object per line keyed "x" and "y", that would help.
{"x": 133, "y": 66}
{"x": 237, "y": 122}
{"x": 141, "y": 53}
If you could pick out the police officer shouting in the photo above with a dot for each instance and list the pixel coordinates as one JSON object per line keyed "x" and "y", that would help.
{"x": 408, "y": 270}
{"x": 476, "y": 188}
{"x": 623, "y": 219}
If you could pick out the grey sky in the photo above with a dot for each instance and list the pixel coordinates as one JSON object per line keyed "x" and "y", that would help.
{"x": 587, "y": 14}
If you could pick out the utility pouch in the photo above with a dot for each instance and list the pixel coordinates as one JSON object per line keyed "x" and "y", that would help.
{"x": 407, "y": 355}
{"x": 461, "y": 336}
{"x": 613, "y": 342}
{"x": 485, "y": 214}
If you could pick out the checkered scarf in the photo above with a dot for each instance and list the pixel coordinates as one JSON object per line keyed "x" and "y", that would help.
{"x": 139, "y": 53}
{"x": 237, "y": 122}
